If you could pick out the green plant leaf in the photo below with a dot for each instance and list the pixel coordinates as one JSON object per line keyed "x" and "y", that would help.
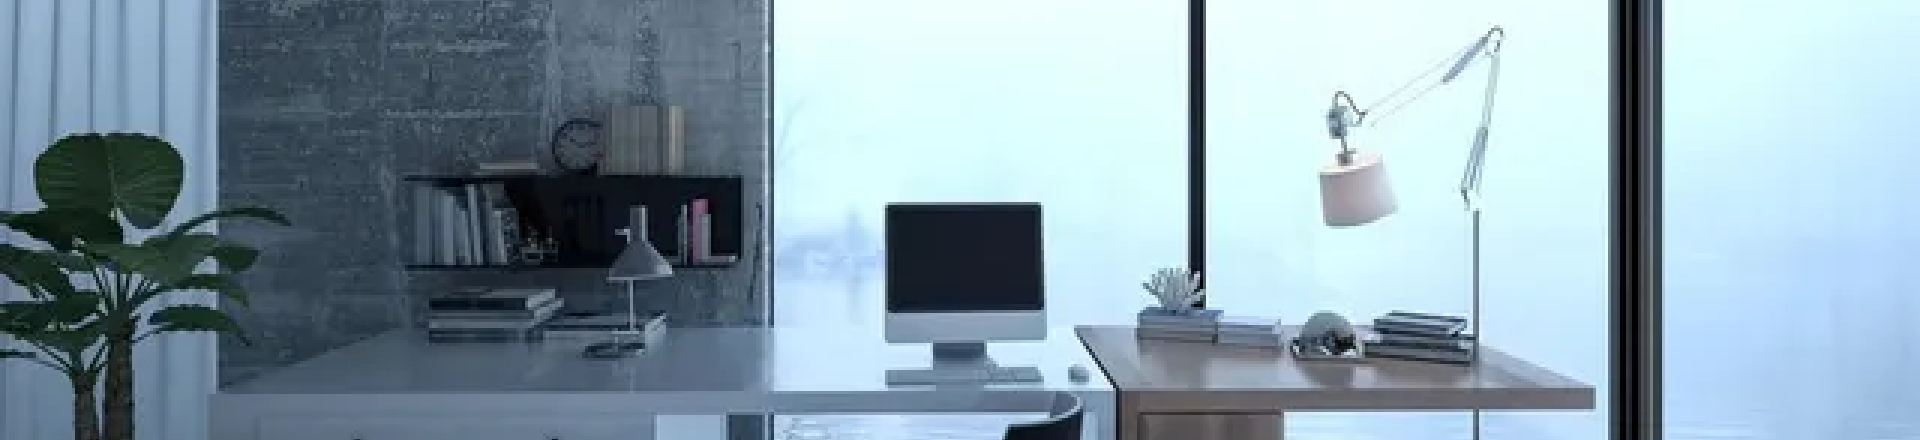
{"x": 193, "y": 317}
{"x": 163, "y": 259}
{"x": 139, "y": 176}
{"x": 252, "y": 212}
{"x": 40, "y": 272}
{"x": 235, "y": 258}
{"x": 221, "y": 284}
{"x": 63, "y": 228}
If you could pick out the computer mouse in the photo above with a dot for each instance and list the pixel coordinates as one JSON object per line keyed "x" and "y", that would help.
{"x": 1077, "y": 373}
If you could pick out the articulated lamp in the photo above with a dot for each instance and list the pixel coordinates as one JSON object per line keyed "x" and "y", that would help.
{"x": 1354, "y": 189}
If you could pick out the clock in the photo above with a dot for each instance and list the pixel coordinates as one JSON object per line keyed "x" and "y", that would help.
{"x": 578, "y": 146}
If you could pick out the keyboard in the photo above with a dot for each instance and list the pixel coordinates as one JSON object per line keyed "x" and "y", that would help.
{"x": 965, "y": 376}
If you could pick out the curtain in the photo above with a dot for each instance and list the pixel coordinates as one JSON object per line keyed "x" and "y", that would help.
{"x": 70, "y": 66}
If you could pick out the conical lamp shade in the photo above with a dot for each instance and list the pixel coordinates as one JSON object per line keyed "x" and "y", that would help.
{"x": 1356, "y": 193}
{"x": 639, "y": 262}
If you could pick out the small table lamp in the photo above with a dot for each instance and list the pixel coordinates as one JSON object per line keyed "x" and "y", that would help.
{"x": 639, "y": 262}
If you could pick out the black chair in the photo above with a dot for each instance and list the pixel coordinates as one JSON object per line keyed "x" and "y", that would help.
{"x": 1062, "y": 423}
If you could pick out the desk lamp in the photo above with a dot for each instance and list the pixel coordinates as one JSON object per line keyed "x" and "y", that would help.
{"x": 1354, "y": 189}
{"x": 639, "y": 262}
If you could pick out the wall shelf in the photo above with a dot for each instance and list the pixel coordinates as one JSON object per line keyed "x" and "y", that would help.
{"x": 581, "y": 214}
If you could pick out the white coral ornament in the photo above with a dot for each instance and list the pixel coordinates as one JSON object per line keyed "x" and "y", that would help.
{"x": 1174, "y": 288}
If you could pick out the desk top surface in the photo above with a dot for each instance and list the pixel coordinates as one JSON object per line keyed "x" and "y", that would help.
{"x": 780, "y": 360}
{"x": 1217, "y": 376}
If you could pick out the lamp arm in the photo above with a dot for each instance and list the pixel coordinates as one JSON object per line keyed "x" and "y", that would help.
{"x": 1477, "y": 153}
{"x": 1344, "y": 114}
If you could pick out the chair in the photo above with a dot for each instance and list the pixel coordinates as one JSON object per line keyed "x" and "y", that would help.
{"x": 1062, "y": 423}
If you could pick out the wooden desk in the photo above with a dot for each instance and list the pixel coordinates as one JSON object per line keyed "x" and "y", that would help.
{"x": 1184, "y": 390}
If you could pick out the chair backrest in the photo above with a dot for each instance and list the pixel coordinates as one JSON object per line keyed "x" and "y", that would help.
{"x": 1063, "y": 422}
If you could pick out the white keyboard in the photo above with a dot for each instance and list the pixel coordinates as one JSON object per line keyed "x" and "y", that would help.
{"x": 965, "y": 376}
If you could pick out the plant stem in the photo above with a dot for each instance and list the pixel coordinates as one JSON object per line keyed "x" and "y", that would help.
{"x": 86, "y": 413}
{"x": 118, "y": 407}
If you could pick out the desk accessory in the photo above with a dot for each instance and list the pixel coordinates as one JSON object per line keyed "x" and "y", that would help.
{"x": 578, "y": 145}
{"x": 1421, "y": 337}
{"x": 1354, "y": 189}
{"x": 639, "y": 262}
{"x": 1175, "y": 289}
{"x": 489, "y": 314}
{"x": 1174, "y": 317}
{"x": 1078, "y": 374}
{"x": 1187, "y": 325}
{"x": 1326, "y": 337}
{"x": 1252, "y": 332}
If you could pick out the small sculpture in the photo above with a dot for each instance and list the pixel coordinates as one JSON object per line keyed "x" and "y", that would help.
{"x": 1176, "y": 289}
{"x": 1327, "y": 334}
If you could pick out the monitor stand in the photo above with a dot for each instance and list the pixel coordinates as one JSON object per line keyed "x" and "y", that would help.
{"x": 961, "y": 354}
{"x": 964, "y": 363}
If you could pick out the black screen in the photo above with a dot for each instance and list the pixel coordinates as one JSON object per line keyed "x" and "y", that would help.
{"x": 957, "y": 257}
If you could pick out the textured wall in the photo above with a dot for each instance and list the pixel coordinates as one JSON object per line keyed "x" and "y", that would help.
{"x": 325, "y": 103}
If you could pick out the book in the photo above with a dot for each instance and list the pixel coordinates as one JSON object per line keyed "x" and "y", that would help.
{"x": 480, "y": 335}
{"x": 652, "y": 326}
{"x": 483, "y": 319}
{"x": 1389, "y": 351}
{"x": 493, "y": 299}
{"x": 697, "y": 235}
{"x": 1419, "y": 323}
{"x": 475, "y": 224}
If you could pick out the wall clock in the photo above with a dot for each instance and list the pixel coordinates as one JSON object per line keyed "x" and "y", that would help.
{"x": 578, "y": 146}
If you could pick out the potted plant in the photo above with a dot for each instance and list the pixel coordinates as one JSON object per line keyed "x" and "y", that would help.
{"x": 103, "y": 262}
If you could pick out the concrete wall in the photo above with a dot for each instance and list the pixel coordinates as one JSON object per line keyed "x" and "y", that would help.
{"x": 324, "y": 104}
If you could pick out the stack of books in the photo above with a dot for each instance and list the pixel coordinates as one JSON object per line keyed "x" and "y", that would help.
{"x": 603, "y": 327}
{"x": 489, "y": 315}
{"x": 1250, "y": 332}
{"x": 1421, "y": 337}
{"x": 1199, "y": 325}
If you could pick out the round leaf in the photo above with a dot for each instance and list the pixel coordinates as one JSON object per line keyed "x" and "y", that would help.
{"x": 137, "y": 175}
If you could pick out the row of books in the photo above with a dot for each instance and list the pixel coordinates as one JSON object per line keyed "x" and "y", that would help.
{"x": 1251, "y": 332}
{"x": 1209, "y": 326}
{"x": 483, "y": 314}
{"x": 1200, "y": 325}
{"x": 1422, "y": 337}
{"x": 694, "y": 223}
{"x": 526, "y": 314}
{"x": 471, "y": 224}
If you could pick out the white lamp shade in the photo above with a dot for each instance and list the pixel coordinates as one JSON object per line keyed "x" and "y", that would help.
{"x": 1356, "y": 193}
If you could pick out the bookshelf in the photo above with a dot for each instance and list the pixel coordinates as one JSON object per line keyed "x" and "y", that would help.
{"x": 485, "y": 222}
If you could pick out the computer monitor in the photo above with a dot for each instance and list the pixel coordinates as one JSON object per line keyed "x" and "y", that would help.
{"x": 962, "y": 274}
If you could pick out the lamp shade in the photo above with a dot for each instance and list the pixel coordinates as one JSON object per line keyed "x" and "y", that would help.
{"x": 1355, "y": 193}
{"x": 640, "y": 261}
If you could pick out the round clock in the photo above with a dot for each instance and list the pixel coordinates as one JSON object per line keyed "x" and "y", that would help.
{"x": 577, "y": 146}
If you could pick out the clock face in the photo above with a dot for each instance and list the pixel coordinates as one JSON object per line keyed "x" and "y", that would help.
{"x": 578, "y": 145}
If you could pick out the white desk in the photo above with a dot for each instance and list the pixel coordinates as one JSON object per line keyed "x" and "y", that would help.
{"x": 1185, "y": 389}
{"x": 396, "y": 385}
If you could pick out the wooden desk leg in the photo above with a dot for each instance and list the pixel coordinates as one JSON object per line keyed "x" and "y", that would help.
{"x": 1210, "y": 427}
{"x": 1132, "y": 424}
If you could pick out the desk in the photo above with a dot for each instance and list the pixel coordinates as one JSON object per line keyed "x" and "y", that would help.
{"x": 396, "y": 385}
{"x": 1179, "y": 389}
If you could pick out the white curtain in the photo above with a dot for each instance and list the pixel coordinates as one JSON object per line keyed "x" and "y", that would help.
{"x": 147, "y": 66}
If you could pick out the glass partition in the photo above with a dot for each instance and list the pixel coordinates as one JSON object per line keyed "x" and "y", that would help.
{"x": 1272, "y": 70}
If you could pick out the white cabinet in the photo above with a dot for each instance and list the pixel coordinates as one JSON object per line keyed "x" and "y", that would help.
{"x": 455, "y": 428}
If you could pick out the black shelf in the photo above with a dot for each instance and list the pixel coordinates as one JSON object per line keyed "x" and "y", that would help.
{"x": 521, "y": 267}
{"x": 581, "y": 213}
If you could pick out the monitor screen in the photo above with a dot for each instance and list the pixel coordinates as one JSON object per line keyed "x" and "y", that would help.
{"x": 962, "y": 257}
